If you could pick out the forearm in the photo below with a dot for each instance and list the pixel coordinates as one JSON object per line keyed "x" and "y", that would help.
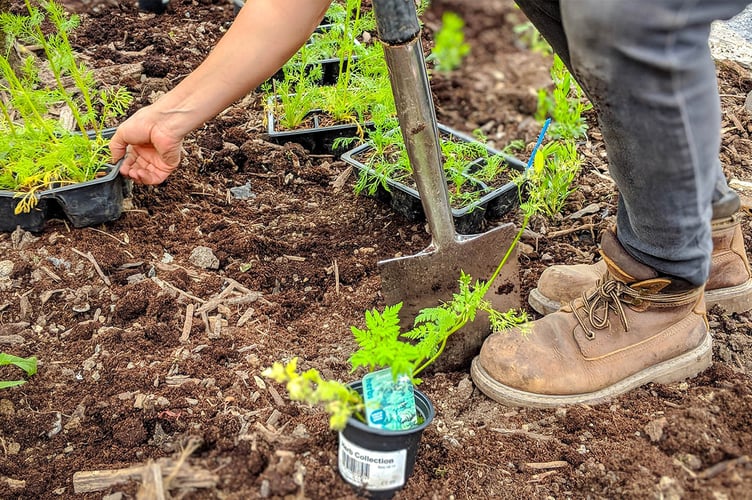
{"x": 264, "y": 35}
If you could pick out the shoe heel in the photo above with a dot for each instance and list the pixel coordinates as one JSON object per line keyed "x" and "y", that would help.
{"x": 735, "y": 299}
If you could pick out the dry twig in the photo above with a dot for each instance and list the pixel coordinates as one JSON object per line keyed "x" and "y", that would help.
{"x": 188, "y": 323}
{"x": 88, "y": 256}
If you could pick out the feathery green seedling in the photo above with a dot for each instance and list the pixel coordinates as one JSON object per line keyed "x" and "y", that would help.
{"x": 28, "y": 365}
{"x": 38, "y": 153}
{"x": 548, "y": 181}
{"x": 449, "y": 47}
{"x": 565, "y": 104}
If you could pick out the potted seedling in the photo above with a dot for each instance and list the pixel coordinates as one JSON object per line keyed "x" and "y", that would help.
{"x": 480, "y": 179}
{"x": 301, "y": 109}
{"x": 381, "y": 417}
{"x": 45, "y": 166}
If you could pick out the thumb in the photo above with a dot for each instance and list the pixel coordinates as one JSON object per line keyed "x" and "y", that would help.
{"x": 118, "y": 146}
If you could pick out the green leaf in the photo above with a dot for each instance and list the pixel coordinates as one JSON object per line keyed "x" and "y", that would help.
{"x": 12, "y": 383}
{"x": 29, "y": 365}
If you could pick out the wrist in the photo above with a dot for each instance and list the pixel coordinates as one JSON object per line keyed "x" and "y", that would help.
{"x": 175, "y": 118}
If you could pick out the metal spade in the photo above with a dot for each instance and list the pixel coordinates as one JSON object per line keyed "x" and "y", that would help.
{"x": 431, "y": 276}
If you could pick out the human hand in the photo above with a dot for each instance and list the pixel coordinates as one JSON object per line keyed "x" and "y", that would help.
{"x": 150, "y": 151}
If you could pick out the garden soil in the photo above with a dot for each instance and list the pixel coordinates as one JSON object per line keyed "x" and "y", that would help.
{"x": 152, "y": 331}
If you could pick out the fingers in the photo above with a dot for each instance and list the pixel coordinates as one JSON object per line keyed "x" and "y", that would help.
{"x": 146, "y": 165}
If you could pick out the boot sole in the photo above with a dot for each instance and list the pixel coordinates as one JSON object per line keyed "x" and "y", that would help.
{"x": 679, "y": 368}
{"x": 541, "y": 303}
{"x": 733, "y": 299}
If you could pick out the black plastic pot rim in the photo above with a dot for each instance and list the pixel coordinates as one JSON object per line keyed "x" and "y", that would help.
{"x": 112, "y": 172}
{"x": 354, "y": 422}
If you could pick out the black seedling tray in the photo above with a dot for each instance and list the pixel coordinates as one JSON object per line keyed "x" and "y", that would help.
{"x": 468, "y": 219}
{"x": 318, "y": 139}
{"x": 83, "y": 204}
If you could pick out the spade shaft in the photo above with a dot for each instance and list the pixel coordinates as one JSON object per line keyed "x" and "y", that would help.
{"x": 430, "y": 277}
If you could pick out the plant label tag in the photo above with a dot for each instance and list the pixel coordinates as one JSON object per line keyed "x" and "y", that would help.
{"x": 389, "y": 404}
{"x": 373, "y": 470}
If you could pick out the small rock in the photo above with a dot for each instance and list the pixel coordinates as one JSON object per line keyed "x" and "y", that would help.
{"x": 748, "y": 102}
{"x": 242, "y": 192}
{"x": 59, "y": 263}
{"x": 670, "y": 488}
{"x": 593, "y": 208}
{"x": 7, "y": 409}
{"x": 265, "y": 490}
{"x": 13, "y": 448}
{"x": 464, "y": 389}
{"x": 654, "y": 429}
{"x": 6, "y": 269}
{"x": 690, "y": 461}
{"x": 300, "y": 431}
{"x": 526, "y": 249}
{"x": 204, "y": 258}
{"x": 81, "y": 308}
{"x": 135, "y": 278}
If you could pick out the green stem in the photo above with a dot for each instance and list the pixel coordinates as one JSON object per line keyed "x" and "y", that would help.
{"x": 8, "y": 119}
{"x": 50, "y": 52}
{"x": 486, "y": 287}
{"x": 17, "y": 87}
{"x": 58, "y": 16}
{"x": 346, "y": 50}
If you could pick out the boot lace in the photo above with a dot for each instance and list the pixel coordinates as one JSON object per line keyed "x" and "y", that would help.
{"x": 597, "y": 303}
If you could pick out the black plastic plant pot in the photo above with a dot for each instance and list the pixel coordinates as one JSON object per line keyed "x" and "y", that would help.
{"x": 83, "y": 204}
{"x": 380, "y": 461}
{"x": 468, "y": 219}
{"x": 316, "y": 138}
{"x": 156, "y": 6}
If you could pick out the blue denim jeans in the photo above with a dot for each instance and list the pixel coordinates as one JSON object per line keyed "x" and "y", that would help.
{"x": 647, "y": 69}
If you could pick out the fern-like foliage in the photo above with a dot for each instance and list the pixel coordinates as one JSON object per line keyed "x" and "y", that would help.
{"x": 382, "y": 343}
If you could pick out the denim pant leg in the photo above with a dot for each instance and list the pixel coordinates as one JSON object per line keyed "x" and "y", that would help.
{"x": 647, "y": 68}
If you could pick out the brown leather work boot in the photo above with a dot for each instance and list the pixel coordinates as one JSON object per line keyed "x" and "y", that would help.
{"x": 729, "y": 284}
{"x": 634, "y": 328}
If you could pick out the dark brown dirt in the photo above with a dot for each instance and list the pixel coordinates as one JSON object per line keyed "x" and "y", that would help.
{"x": 125, "y": 381}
